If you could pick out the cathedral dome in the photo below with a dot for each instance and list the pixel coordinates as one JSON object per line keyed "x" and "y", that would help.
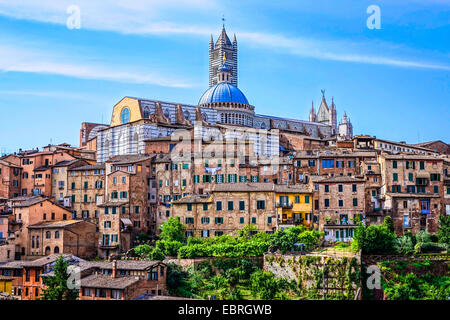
{"x": 223, "y": 92}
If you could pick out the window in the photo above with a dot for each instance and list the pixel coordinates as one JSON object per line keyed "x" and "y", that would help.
{"x": 242, "y": 178}
{"x": 394, "y": 164}
{"x": 100, "y": 293}
{"x": 241, "y": 220}
{"x": 125, "y": 115}
{"x": 435, "y": 177}
{"x": 297, "y": 199}
{"x": 116, "y": 294}
{"x": 354, "y": 188}
{"x": 351, "y": 164}
{"x": 87, "y": 292}
{"x": 56, "y": 234}
{"x": 341, "y": 203}
{"x": 406, "y": 220}
{"x": 306, "y": 199}
{"x": 205, "y": 207}
{"x": 395, "y": 177}
{"x": 205, "y": 220}
{"x": 189, "y": 207}
{"x": 327, "y": 188}
{"x": 311, "y": 163}
{"x": 218, "y": 205}
{"x": 230, "y": 205}
{"x": 48, "y": 235}
{"x": 253, "y": 220}
{"x": 328, "y": 163}
{"x": 327, "y": 203}
{"x": 137, "y": 209}
{"x": 269, "y": 220}
{"x": 436, "y": 189}
{"x": 339, "y": 164}
{"x": 189, "y": 220}
{"x": 355, "y": 202}
{"x": 241, "y": 205}
{"x": 218, "y": 220}
{"x": 340, "y": 188}
{"x": 205, "y": 233}
{"x": 422, "y": 165}
{"x": 260, "y": 204}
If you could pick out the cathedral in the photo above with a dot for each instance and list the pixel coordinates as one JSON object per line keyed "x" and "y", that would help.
{"x": 223, "y": 105}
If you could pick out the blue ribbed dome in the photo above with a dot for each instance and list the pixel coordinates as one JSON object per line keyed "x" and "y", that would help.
{"x": 223, "y": 92}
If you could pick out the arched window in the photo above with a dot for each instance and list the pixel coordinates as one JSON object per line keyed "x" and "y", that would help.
{"x": 125, "y": 115}
{"x": 56, "y": 250}
{"x": 47, "y": 251}
{"x": 56, "y": 234}
{"x": 47, "y": 235}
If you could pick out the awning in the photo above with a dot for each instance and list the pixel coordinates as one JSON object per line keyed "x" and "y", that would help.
{"x": 423, "y": 175}
{"x": 126, "y": 221}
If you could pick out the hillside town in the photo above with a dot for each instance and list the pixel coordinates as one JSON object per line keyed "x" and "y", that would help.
{"x": 217, "y": 168}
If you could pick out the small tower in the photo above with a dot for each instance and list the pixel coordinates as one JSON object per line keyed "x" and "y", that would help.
{"x": 312, "y": 113}
{"x": 333, "y": 117}
{"x": 345, "y": 128}
{"x": 223, "y": 46}
{"x": 224, "y": 72}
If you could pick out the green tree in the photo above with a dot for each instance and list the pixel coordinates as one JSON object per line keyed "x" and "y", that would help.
{"x": 389, "y": 224}
{"x": 264, "y": 284}
{"x": 444, "y": 229}
{"x": 173, "y": 230}
{"x": 56, "y": 286}
{"x": 375, "y": 239}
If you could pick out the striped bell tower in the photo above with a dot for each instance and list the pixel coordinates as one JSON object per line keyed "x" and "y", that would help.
{"x": 222, "y": 47}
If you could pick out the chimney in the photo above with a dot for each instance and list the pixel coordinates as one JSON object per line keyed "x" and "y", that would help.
{"x": 114, "y": 269}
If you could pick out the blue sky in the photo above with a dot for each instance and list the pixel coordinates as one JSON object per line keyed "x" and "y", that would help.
{"x": 393, "y": 83}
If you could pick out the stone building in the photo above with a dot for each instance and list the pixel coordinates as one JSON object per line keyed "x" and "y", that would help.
{"x": 31, "y": 211}
{"x": 60, "y": 175}
{"x": 228, "y": 209}
{"x": 77, "y": 237}
{"x": 413, "y": 187}
{"x": 341, "y": 206}
{"x": 86, "y": 191}
{"x": 10, "y": 179}
{"x": 126, "y": 210}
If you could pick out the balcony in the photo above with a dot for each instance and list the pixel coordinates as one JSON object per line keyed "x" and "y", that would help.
{"x": 290, "y": 221}
{"x": 285, "y": 205}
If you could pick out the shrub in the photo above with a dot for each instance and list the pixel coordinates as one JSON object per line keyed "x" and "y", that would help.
{"x": 375, "y": 239}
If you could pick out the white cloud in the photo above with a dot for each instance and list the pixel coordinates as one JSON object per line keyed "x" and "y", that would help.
{"x": 31, "y": 60}
{"x": 144, "y": 17}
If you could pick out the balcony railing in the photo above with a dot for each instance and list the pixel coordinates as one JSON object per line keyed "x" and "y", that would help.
{"x": 285, "y": 205}
{"x": 290, "y": 221}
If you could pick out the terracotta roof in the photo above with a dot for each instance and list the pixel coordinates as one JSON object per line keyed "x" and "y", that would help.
{"x": 341, "y": 179}
{"x": 9, "y": 164}
{"x": 128, "y": 159}
{"x": 413, "y": 195}
{"x": 97, "y": 166}
{"x": 244, "y": 187}
{"x": 194, "y": 199}
{"x": 137, "y": 265}
{"x": 409, "y": 156}
{"x": 50, "y": 259}
{"x": 13, "y": 265}
{"x": 66, "y": 163}
{"x": 300, "y": 188}
{"x": 54, "y": 224}
{"x": 30, "y": 201}
{"x": 108, "y": 282}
